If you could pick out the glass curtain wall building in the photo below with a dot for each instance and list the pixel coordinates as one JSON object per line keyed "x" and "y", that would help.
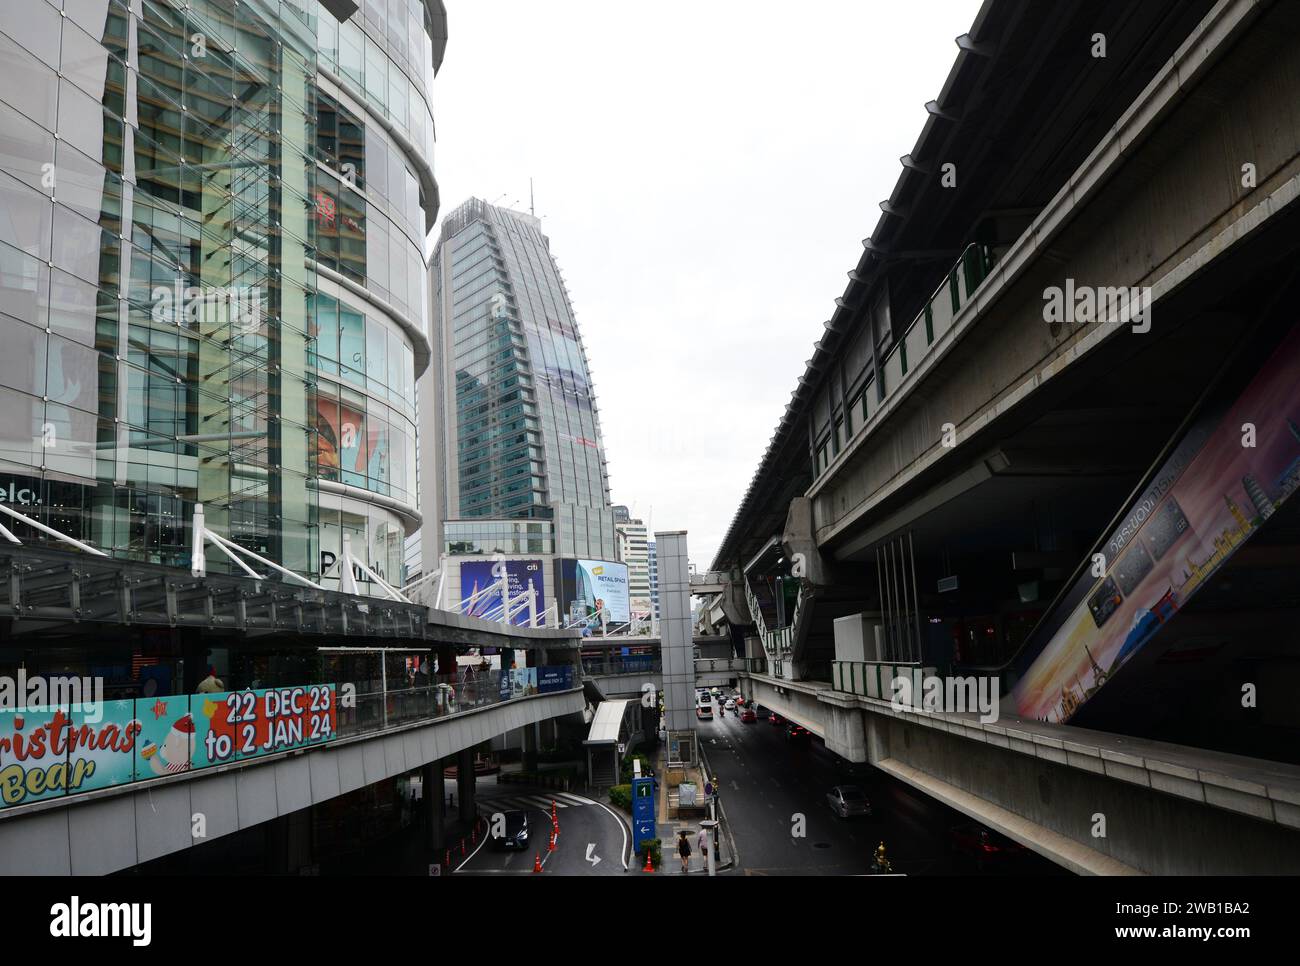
{"x": 212, "y": 283}
{"x": 517, "y": 432}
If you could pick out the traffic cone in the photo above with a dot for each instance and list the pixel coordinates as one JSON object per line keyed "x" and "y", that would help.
{"x": 649, "y": 866}
{"x": 462, "y": 846}
{"x": 537, "y": 862}
{"x": 555, "y": 824}
{"x": 551, "y": 846}
{"x": 553, "y": 818}
{"x": 447, "y": 863}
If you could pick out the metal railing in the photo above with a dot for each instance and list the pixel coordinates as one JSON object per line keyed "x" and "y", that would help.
{"x": 781, "y": 640}
{"x": 922, "y": 334}
{"x": 447, "y": 695}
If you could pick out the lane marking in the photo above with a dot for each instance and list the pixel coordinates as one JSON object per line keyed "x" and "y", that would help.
{"x": 621, "y": 827}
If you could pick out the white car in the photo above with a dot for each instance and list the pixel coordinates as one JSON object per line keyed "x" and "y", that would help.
{"x": 730, "y": 705}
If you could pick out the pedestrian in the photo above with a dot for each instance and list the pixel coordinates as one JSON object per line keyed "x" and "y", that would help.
{"x": 702, "y": 843}
{"x": 684, "y": 850}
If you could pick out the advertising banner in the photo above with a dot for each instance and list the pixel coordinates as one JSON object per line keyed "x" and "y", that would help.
{"x": 588, "y": 585}
{"x": 557, "y": 678}
{"x": 1212, "y": 494}
{"x": 45, "y": 753}
{"x": 475, "y": 575}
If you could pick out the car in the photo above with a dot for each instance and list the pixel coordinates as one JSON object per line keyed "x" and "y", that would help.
{"x": 704, "y": 713}
{"x": 796, "y": 732}
{"x": 714, "y": 691}
{"x": 983, "y": 845}
{"x": 730, "y": 705}
{"x": 748, "y": 716}
{"x": 848, "y": 801}
{"x": 515, "y": 834}
{"x": 775, "y": 719}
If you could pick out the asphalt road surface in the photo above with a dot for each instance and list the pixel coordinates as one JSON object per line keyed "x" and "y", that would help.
{"x": 588, "y": 830}
{"x": 771, "y": 786}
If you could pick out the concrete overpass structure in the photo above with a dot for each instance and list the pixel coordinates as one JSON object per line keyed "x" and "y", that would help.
{"x": 394, "y": 727}
{"x": 1167, "y": 809}
{"x": 956, "y": 451}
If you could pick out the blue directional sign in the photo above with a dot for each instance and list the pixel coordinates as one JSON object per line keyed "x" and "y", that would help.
{"x": 643, "y": 812}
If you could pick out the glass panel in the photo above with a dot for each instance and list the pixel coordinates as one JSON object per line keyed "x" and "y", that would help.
{"x": 352, "y": 340}
{"x": 376, "y": 356}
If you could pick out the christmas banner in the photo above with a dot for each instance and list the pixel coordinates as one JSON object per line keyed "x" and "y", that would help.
{"x": 50, "y": 752}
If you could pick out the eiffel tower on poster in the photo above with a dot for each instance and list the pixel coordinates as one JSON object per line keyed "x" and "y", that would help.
{"x": 1099, "y": 676}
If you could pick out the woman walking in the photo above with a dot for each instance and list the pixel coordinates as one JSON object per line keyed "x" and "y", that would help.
{"x": 684, "y": 851}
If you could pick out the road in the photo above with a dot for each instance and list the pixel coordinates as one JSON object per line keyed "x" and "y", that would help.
{"x": 583, "y": 822}
{"x": 769, "y": 783}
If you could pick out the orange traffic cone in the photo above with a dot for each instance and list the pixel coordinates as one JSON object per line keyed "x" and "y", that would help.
{"x": 551, "y": 846}
{"x": 537, "y": 862}
{"x": 555, "y": 824}
{"x": 649, "y": 866}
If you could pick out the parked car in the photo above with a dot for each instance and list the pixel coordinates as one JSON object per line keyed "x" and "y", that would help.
{"x": 775, "y": 719}
{"x": 515, "y": 835}
{"x": 983, "y": 845}
{"x": 796, "y": 732}
{"x": 748, "y": 716}
{"x": 704, "y": 713}
{"x": 848, "y": 801}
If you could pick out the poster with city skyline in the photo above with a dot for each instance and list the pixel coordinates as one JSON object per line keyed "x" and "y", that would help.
{"x": 1228, "y": 475}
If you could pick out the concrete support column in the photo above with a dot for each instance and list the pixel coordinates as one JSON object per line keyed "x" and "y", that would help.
{"x": 676, "y": 645}
{"x": 530, "y": 747}
{"x": 877, "y": 727}
{"x": 433, "y": 809}
{"x": 846, "y": 732}
{"x": 465, "y": 784}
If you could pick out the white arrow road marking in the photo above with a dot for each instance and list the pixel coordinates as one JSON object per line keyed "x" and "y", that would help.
{"x": 593, "y": 859}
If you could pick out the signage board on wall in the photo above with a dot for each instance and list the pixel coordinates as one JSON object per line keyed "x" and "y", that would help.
{"x": 480, "y": 574}
{"x": 587, "y": 586}
{"x": 49, "y": 752}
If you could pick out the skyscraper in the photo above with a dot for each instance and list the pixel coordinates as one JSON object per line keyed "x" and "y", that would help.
{"x": 633, "y": 550}
{"x": 509, "y": 429}
{"x": 652, "y": 566}
{"x": 212, "y": 277}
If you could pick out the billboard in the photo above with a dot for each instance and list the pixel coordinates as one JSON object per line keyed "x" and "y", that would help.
{"x": 1229, "y": 473}
{"x": 478, "y": 575}
{"x": 49, "y": 752}
{"x": 588, "y": 585}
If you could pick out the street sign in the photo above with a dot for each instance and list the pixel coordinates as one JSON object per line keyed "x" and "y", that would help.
{"x": 643, "y": 811}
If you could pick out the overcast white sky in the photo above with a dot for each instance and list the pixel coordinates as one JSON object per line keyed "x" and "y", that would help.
{"x": 706, "y": 171}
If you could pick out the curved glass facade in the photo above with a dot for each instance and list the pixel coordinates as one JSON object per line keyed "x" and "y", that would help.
{"x": 526, "y": 432}
{"x": 186, "y": 192}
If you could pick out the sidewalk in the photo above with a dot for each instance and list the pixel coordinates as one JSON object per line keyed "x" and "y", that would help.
{"x": 668, "y": 828}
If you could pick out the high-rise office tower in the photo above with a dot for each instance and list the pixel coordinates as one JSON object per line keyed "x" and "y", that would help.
{"x": 510, "y": 433}
{"x": 633, "y": 550}
{"x": 212, "y": 278}
{"x": 652, "y": 567}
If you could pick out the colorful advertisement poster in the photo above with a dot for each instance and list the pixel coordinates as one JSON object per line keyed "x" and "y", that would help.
{"x": 341, "y": 443}
{"x": 518, "y": 682}
{"x": 479, "y": 575}
{"x": 1216, "y": 489}
{"x": 46, "y": 753}
{"x": 588, "y": 586}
